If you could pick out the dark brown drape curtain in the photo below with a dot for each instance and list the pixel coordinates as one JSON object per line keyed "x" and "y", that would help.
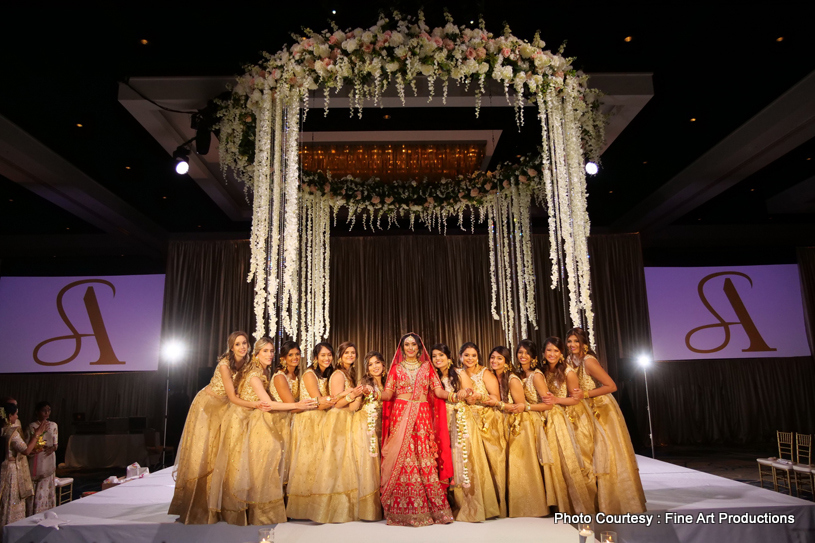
{"x": 806, "y": 269}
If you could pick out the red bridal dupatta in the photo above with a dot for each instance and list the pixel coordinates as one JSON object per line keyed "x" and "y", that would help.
{"x": 416, "y": 456}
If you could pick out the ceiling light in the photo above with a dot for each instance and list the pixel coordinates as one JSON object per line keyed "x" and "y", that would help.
{"x": 644, "y": 360}
{"x": 591, "y": 168}
{"x": 173, "y": 350}
{"x": 67, "y": 228}
{"x": 645, "y": 162}
{"x": 163, "y": 197}
{"x": 144, "y": 42}
{"x": 779, "y": 39}
{"x": 628, "y": 39}
{"x": 127, "y": 167}
{"x": 386, "y": 117}
{"x": 182, "y": 160}
{"x": 611, "y": 192}
{"x": 752, "y": 190}
{"x": 79, "y": 125}
{"x": 693, "y": 119}
{"x": 333, "y": 11}
{"x": 472, "y": 22}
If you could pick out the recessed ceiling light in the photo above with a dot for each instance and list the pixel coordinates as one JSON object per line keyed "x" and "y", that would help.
{"x": 163, "y": 197}
{"x": 779, "y": 39}
{"x": 10, "y": 199}
{"x": 334, "y": 11}
{"x": 693, "y": 119}
{"x": 472, "y": 22}
{"x": 611, "y": 192}
{"x": 199, "y": 226}
{"x": 645, "y": 162}
{"x": 121, "y": 255}
{"x": 699, "y": 219}
{"x": 67, "y": 228}
{"x": 628, "y": 39}
{"x": 144, "y": 42}
{"x": 127, "y": 167}
{"x": 386, "y": 117}
{"x": 752, "y": 190}
{"x": 809, "y": 158}
{"x": 79, "y": 125}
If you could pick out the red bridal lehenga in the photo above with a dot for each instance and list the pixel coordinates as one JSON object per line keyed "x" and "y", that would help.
{"x": 416, "y": 459}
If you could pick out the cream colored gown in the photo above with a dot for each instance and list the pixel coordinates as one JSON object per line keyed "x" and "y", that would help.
{"x": 246, "y": 487}
{"x": 620, "y": 491}
{"x": 367, "y": 436}
{"x": 475, "y": 497}
{"x": 283, "y": 422}
{"x": 490, "y": 423}
{"x": 197, "y": 451}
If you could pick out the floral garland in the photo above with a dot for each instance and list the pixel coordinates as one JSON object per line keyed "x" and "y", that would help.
{"x": 399, "y": 52}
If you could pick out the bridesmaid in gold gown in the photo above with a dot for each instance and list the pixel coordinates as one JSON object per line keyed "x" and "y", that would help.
{"x": 474, "y": 498}
{"x": 335, "y": 494}
{"x": 561, "y": 430}
{"x": 621, "y": 490}
{"x": 306, "y": 436}
{"x": 246, "y": 487}
{"x": 526, "y": 489}
{"x": 488, "y": 420}
{"x": 202, "y": 434}
{"x": 285, "y": 388}
{"x": 367, "y": 435}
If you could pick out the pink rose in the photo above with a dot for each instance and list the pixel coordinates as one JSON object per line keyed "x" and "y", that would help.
{"x": 522, "y": 178}
{"x": 506, "y": 184}
{"x": 332, "y": 40}
{"x": 430, "y": 200}
{"x": 465, "y": 38}
{"x": 328, "y": 62}
{"x": 326, "y": 188}
{"x": 470, "y": 52}
{"x": 505, "y": 51}
{"x": 481, "y": 52}
{"x": 389, "y": 199}
{"x": 367, "y": 47}
{"x": 438, "y": 41}
{"x": 461, "y": 195}
{"x": 425, "y": 35}
{"x": 532, "y": 172}
{"x": 474, "y": 193}
{"x": 349, "y": 35}
{"x": 488, "y": 186}
{"x": 558, "y": 74}
{"x": 375, "y": 200}
{"x": 449, "y": 45}
{"x": 494, "y": 191}
{"x": 312, "y": 189}
{"x": 358, "y": 194}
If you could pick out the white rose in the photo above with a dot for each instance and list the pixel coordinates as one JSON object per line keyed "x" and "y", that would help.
{"x": 450, "y": 28}
{"x": 367, "y": 37}
{"x": 400, "y": 51}
{"x": 484, "y": 67}
{"x": 339, "y": 35}
{"x": 527, "y": 50}
{"x": 392, "y": 66}
{"x": 350, "y": 45}
{"x": 456, "y": 73}
{"x": 397, "y": 39}
{"x": 427, "y": 69}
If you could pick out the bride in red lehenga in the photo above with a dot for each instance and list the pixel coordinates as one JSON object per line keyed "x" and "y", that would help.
{"x": 416, "y": 459}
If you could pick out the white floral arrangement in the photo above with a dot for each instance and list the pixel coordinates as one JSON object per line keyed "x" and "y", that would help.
{"x": 259, "y": 131}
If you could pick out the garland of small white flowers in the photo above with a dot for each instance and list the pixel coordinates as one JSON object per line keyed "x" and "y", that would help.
{"x": 399, "y": 52}
{"x": 462, "y": 435}
{"x": 371, "y": 408}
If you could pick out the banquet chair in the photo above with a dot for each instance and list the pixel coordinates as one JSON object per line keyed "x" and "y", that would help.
{"x": 65, "y": 489}
{"x": 768, "y": 462}
{"x": 154, "y": 448}
{"x": 803, "y": 468}
{"x": 782, "y": 467}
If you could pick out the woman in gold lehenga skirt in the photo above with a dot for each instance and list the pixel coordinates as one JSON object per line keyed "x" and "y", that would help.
{"x": 285, "y": 387}
{"x": 561, "y": 432}
{"x": 527, "y": 447}
{"x": 367, "y": 435}
{"x": 474, "y": 498}
{"x": 306, "y": 436}
{"x": 246, "y": 487}
{"x": 202, "y": 434}
{"x": 621, "y": 490}
{"x": 334, "y": 494}
{"x": 489, "y": 422}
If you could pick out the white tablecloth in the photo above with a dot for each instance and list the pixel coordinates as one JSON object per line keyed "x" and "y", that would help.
{"x": 106, "y": 450}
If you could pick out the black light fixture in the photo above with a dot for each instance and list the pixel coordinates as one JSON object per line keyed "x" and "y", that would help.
{"x": 182, "y": 160}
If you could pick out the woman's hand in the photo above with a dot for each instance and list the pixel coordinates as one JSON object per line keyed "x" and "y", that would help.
{"x": 307, "y": 405}
{"x": 42, "y": 428}
{"x": 489, "y": 402}
{"x": 549, "y": 399}
{"x": 578, "y": 394}
{"x": 515, "y": 408}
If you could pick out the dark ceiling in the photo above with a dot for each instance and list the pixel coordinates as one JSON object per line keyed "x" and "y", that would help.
{"x": 718, "y": 65}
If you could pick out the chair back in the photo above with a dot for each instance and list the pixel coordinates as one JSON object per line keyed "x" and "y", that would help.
{"x": 785, "y": 446}
{"x": 150, "y": 438}
{"x": 803, "y": 444}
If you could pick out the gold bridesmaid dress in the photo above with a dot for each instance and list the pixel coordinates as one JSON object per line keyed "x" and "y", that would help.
{"x": 621, "y": 490}
{"x": 306, "y": 452}
{"x": 474, "y": 496}
{"x": 490, "y": 423}
{"x": 197, "y": 451}
{"x": 246, "y": 485}
{"x": 526, "y": 439}
{"x": 563, "y": 442}
{"x": 283, "y": 422}
{"x": 367, "y": 436}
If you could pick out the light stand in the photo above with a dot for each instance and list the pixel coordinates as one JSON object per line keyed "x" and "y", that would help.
{"x": 173, "y": 351}
{"x": 644, "y": 362}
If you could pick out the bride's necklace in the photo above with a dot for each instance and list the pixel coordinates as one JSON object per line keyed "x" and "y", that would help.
{"x": 411, "y": 367}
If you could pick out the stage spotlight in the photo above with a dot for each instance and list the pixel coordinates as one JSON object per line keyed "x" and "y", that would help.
{"x": 173, "y": 350}
{"x": 644, "y": 360}
{"x": 591, "y": 168}
{"x": 182, "y": 160}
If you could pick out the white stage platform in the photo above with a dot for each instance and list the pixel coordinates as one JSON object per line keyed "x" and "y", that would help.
{"x": 137, "y": 512}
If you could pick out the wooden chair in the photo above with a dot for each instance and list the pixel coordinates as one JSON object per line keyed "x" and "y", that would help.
{"x": 803, "y": 469}
{"x": 783, "y": 465}
{"x": 154, "y": 448}
{"x": 767, "y": 463}
{"x": 65, "y": 489}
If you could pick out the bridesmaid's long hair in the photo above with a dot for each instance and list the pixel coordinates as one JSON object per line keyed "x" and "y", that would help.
{"x": 316, "y": 366}
{"x": 452, "y": 374}
{"x": 532, "y": 349}
{"x": 350, "y": 373}
{"x": 367, "y": 378}
{"x": 259, "y": 344}
{"x": 284, "y": 352}
{"x": 560, "y": 367}
{"x": 230, "y": 356}
{"x": 583, "y": 339}
{"x": 503, "y": 380}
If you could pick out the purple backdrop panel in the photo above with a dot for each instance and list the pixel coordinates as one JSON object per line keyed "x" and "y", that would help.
{"x": 732, "y": 312}
{"x": 92, "y": 324}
